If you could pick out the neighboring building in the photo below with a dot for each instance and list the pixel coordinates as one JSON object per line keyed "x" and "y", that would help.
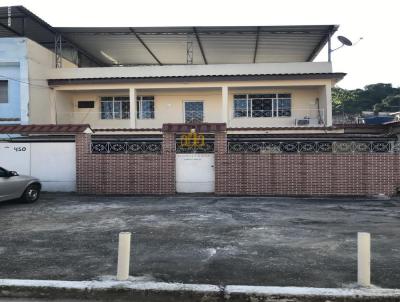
{"x": 24, "y": 93}
{"x": 242, "y": 76}
{"x": 396, "y": 116}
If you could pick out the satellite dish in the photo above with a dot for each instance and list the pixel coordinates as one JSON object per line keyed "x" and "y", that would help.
{"x": 344, "y": 41}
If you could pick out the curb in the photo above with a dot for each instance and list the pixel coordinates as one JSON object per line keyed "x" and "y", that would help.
{"x": 141, "y": 291}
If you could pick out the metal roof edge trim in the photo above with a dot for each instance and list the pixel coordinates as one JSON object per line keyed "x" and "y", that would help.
{"x": 203, "y": 78}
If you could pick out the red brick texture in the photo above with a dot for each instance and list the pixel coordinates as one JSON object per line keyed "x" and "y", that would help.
{"x": 305, "y": 174}
{"x": 239, "y": 174}
{"x": 125, "y": 173}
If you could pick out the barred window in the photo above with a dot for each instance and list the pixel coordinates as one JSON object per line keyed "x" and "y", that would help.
{"x": 114, "y": 107}
{"x": 3, "y": 91}
{"x": 145, "y": 107}
{"x": 262, "y": 105}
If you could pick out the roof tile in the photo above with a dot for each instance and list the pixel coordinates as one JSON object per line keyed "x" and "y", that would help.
{"x": 44, "y": 129}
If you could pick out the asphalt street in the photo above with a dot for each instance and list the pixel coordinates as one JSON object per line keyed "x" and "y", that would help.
{"x": 201, "y": 239}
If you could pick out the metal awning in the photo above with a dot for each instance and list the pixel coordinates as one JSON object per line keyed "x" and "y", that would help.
{"x": 107, "y": 46}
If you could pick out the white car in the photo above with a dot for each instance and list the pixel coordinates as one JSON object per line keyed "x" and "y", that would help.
{"x": 14, "y": 186}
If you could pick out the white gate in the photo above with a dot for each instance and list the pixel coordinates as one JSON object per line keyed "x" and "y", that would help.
{"x": 195, "y": 173}
{"x": 53, "y": 163}
{"x": 16, "y": 157}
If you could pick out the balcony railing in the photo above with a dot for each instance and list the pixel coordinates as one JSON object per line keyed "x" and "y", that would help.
{"x": 299, "y": 117}
{"x": 93, "y": 118}
{"x": 294, "y": 117}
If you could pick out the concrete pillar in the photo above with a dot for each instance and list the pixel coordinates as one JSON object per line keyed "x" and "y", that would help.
{"x": 132, "y": 107}
{"x": 225, "y": 108}
{"x": 124, "y": 252}
{"x": 364, "y": 259}
{"x": 53, "y": 107}
{"x": 328, "y": 108}
{"x": 24, "y": 92}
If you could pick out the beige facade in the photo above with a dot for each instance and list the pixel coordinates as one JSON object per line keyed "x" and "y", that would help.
{"x": 309, "y": 99}
{"x": 40, "y": 61}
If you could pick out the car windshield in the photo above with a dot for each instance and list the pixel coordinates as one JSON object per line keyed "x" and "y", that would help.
{"x": 3, "y": 172}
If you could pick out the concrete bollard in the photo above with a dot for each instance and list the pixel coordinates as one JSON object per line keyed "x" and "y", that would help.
{"x": 364, "y": 259}
{"x": 124, "y": 252}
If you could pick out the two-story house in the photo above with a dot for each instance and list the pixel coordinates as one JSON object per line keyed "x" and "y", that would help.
{"x": 142, "y": 78}
{"x": 230, "y": 110}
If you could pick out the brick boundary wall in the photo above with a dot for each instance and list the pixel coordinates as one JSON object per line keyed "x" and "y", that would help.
{"x": 125, "y": 173}
{"x": 305, "y": 174}
{"x": 239, "y": 174}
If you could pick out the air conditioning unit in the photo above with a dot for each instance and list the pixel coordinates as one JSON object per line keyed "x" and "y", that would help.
{"x": 303, "y": 122}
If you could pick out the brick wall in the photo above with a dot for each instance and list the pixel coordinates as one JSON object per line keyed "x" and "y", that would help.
{"x": 305, "y": 174}
{"x": 239, "y": 174}
{"x": 125, "y": 173}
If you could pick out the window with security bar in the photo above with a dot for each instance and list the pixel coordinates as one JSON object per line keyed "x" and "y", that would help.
{"x": 194, "y": 112}
{"x": 262, "y": 105}
{"x": 145, "y": 107}
{"x": 114, "y": 108}
{"x": 3, "y": 91}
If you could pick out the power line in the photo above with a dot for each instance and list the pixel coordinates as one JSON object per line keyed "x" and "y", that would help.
{"x": 23, "y": 82}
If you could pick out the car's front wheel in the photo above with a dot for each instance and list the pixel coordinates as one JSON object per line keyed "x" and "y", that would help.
{"x": 31, "y": 194}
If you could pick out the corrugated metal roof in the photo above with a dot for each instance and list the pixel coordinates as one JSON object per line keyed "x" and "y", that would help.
{"x": 221, "y": 45}
{"x": 168, "y": 45}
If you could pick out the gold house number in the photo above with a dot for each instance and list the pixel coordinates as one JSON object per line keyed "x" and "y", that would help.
{"x": 192, "y": 140}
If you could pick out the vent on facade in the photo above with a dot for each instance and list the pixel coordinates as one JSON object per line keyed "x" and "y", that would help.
{"x": 303, "y": 122}
{"x": 85, "y": 104}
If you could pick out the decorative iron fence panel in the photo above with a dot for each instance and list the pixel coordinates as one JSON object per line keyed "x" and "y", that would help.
{"x": 314, "y": 147}
{"x": 126, "y": 147}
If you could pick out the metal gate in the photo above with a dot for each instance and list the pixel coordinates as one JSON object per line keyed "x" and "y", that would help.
{"x": 52, "y": 162}
{"x": 195, "y": 173}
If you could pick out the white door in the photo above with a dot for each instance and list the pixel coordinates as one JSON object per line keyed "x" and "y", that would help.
{"x": 195, "y": 173}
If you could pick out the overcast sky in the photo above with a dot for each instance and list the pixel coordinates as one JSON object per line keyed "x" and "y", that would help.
{"x": 375, "y": 59}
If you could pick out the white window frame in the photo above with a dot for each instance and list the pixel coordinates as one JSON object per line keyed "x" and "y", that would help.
{"x": 274, "y": 110}
{"x": 113, "y": 107}
{"x": 193, "y": 101}
{"x": 139, "y": 100}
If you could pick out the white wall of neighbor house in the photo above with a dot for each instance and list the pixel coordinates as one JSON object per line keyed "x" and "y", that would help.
{"x": 307, "y": 101}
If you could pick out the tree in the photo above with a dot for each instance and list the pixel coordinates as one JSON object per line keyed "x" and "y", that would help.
{"x": 343, "y": 101}
{"x": 389, "y": 104}
{"x": 375, "y": 93}
{"x": 370, "y": 98}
